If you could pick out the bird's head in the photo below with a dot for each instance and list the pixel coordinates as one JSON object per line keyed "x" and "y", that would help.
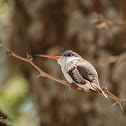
{"x": 65, "y": 57}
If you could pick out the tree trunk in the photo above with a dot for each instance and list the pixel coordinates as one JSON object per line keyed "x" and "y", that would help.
{"x": 51, "y": 27}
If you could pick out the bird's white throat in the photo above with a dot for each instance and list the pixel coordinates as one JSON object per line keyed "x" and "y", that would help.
{"x": 64, "y": 61}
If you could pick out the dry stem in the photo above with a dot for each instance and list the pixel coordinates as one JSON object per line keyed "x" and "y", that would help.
{"x": 29, "y": 59}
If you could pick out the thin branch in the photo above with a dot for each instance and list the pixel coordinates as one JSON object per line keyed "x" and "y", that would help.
{"x": 109, "y": 26}
{"x": 29, "y": 59}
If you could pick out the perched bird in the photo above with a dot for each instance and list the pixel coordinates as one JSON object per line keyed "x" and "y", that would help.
{"x": 78, "y": 71}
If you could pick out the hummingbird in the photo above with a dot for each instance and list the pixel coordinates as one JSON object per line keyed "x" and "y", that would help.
{"x": 78, "y": 71}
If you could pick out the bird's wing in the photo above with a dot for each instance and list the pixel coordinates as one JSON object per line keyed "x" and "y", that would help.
{"x": 81, "y": 74}
{"x": 81, "y": 77}
{"x": 76, "y": 76}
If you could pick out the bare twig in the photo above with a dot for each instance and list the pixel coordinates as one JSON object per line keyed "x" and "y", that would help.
{"x": 109, "y": 26}
{"x": 29, "y": 59}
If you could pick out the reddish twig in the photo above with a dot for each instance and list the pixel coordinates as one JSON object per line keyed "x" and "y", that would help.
{"x": 29, "y": 59}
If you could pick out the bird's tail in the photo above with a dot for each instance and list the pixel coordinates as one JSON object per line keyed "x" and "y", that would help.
{"x": 97, "y": 87}
{"x": 104, "y": 93}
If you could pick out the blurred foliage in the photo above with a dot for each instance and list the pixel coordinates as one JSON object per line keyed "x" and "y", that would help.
{"x": 14, "y": 100}
{"x": 13, "y": 95}
{"x": 4, "y": 7}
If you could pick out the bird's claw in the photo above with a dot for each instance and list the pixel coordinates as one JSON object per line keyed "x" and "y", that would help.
{"x": 74, "y": 86}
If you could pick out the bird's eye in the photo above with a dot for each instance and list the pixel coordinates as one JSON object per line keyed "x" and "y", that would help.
{"x": 69, "y": 54}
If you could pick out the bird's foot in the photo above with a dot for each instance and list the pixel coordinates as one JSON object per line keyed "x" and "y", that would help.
{"x": 74, "y": 86}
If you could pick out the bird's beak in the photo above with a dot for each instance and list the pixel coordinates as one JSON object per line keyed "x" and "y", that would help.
{"x": 53, "y": 57}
